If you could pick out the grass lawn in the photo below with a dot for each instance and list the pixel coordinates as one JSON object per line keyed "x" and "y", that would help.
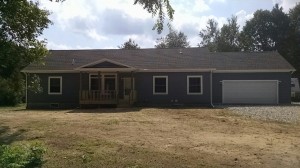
{"x": 152, "y": 137}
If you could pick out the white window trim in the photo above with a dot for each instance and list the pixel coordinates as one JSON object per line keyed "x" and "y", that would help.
{"x": 103, "y": 78}
{"x": 167, "y": 85}
{"x": 55, "y": 77}
{"x": 188, "y": 84}
{"x": 90, "y": 77}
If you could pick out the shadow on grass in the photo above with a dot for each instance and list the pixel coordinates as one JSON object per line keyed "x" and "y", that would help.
{"x": 6, "y": 137}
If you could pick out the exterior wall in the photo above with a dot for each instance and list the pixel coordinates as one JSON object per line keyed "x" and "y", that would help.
{"x": 68, "y": 99}
{"x": 177, "y": 89}
{"x": 70, "y": 90}
{"x": 283, "y": 77}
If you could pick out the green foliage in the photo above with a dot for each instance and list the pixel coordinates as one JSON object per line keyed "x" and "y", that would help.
{"x": 21, "y": 156}
{"x": 174, "y": 39}
{"x": 224, "y": 40}
{"x": 21, "y": 22}
{"x": 156, "y": 7}
{"x": 130, "y": 44}
{"x": 266, "y": 31}
{"x": 274, "y": 30}
{"x": 11, "y": 92}
{"x": 293, "y": 42}
{"x": 257, "y": 32}
{"x": 228, "y": 40}
{"x": 210, "y": 35}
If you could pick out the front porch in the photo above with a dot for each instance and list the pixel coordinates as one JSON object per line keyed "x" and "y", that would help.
{"x": 107, "y": 88}
{"x": 106, "y": 97}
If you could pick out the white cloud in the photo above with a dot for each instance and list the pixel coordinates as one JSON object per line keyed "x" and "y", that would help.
{"x": 242, "y": 17}
{"x": 194, "y": 41}
{"x": 286, "y": 4}
{"x": 107, "y": 24}
{"x": 53, "y": 46}
{"x": 141, "y": 40}
{"x": 110, "y": 47}
{"x": 83, "y": 47}
{"x": 200, "y": 6}
{"x": 212, "y": 1}
{"x": 92, "y": 33}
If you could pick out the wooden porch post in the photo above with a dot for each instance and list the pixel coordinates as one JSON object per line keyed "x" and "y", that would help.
{"x": 80, "y": 81}
{"x": 99, "y": 80}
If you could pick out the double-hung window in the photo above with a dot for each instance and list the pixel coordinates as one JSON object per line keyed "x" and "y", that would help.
{"x": 55, "y": 85}
{"x": 194, "y": 85}
{"x": 94, "y": 82}
{"x": 160, "y": 84}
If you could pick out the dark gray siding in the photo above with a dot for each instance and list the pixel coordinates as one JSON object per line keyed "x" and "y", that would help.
{"x": 68, "y": 99}
{"x": 284, "y": 85}
{"x": 177, "y": 89}
{"x": 70, "y": 90}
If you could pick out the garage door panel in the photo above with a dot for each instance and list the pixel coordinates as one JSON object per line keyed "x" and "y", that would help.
{"x": 250, "y": 92}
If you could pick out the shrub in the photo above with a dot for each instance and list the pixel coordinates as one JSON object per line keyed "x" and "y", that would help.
{"x": 21, "y": 156}
{"x": 11, "y": 91}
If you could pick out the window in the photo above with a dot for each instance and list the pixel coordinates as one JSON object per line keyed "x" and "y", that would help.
{"x": 107, "y": 82}
{"x": 160, "y": 85}
{"x": 293, "y": 84}
{"x": 55, "y": 85}
{"x": 94, "y": 82}
{"x": 194, "y": 85}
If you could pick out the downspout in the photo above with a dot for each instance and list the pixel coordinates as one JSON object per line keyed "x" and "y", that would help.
{"x": 211, "y": 90}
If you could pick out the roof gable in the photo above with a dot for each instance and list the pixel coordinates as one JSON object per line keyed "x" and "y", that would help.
{"x": 104, "y": 63}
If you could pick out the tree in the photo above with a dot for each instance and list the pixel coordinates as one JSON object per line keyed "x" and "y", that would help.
{"x": 293, "y": 52}
{"x": 228, "y": 40}
{"x": 21, "y": 23}
{"x": 280, "y": 28}
{"x": 267, "y": 31}
{"x": 256, "y": 33}
{"x": 274, "y": 30}
{"x": 130, "y": 44}
{"x": 174, "y": 39}
{"x": 156, "y": 8}
{"x": 210, "y": 35}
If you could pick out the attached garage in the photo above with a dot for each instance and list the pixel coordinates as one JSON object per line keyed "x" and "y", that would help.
{"x": 250, "y": 91}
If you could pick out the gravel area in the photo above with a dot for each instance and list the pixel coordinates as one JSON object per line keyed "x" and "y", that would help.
{"x": 289, "y": 114}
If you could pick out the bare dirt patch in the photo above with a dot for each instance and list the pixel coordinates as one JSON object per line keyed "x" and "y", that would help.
{"x": 153, "y": 137}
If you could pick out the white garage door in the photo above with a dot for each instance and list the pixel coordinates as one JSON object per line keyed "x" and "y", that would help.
{"x": 250, "y": 91}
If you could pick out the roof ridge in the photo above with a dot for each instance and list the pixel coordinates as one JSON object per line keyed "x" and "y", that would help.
{"x": 117, "y": 49}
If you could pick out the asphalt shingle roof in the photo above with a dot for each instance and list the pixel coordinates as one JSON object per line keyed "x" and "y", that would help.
{"x": 187, "y": 58}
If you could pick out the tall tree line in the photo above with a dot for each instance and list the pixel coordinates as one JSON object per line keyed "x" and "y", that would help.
{"x": 271, "y": 30}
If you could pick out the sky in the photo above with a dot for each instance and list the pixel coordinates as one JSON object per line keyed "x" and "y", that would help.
{"x": 107, "y": 24}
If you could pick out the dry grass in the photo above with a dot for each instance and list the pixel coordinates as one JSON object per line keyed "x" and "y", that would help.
{"x": 152, "y": 137}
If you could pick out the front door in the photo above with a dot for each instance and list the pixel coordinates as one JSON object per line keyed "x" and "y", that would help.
{"x": 128, "y": 85}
